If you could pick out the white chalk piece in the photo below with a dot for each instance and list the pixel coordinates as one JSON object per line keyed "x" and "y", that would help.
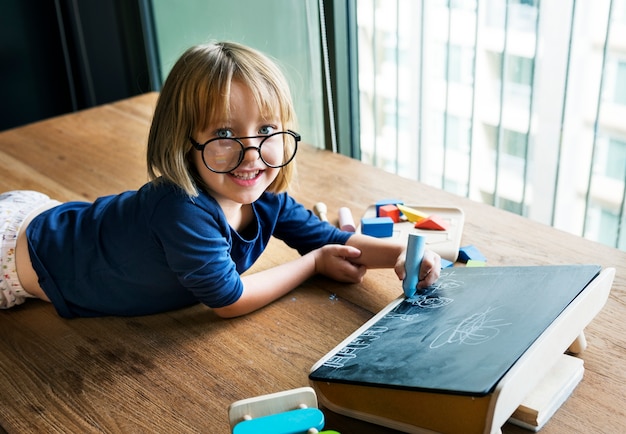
{"x": 346, "y": 222}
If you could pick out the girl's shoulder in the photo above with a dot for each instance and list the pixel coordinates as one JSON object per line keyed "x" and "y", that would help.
{"x": 166, "y": 202}
{"x": 170, "y": 194}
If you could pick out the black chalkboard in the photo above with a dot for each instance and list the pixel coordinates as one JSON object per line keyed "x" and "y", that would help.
{"x": 460, "y": 335}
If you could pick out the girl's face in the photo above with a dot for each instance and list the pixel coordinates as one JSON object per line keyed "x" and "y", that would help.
{"x": 246, "y": 183}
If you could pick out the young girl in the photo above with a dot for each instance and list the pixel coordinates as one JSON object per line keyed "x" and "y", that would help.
{"x": 220, "y": 158}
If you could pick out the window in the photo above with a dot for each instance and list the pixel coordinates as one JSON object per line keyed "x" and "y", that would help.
{"x": 513, "y": 143}
{"x": 608, "y": 227}
{"x": 481, "y": 83}
{"x": 615, "y": 166}
{"x": 461, "y": 63}
{"x": 518, "y": 70}
{"x": 457, "y": 134}
{"x": 521, "y": 14}
{"x": 615, "y": 80}
{"x": 532, "y": 3}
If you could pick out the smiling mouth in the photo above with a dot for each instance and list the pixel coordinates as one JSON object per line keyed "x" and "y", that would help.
{"x": 245, "y": 176}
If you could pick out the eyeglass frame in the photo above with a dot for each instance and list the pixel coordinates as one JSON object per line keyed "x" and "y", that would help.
{"x": 200, "y": 147}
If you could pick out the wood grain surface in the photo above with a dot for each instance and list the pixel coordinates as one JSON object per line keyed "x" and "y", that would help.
{"x": 177, "y": 372}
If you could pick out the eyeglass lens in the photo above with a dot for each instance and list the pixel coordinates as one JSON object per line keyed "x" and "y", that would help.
{"x": 225, "y": 155}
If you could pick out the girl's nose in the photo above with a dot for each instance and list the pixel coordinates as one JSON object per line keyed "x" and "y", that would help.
{"x": 251, "y": 153}
{"x": 252, "y": 150}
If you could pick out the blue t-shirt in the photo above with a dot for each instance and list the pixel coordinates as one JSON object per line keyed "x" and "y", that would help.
{"x": 157, "y": 249}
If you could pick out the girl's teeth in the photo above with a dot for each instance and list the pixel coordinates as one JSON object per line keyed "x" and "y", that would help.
{"x": 247, "y": 175}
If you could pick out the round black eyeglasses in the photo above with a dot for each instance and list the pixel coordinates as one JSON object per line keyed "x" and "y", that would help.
{"x": 225, "y": 154}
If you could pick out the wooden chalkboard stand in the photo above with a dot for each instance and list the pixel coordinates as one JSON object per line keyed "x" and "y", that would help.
{"x": 421, "y": 412}
{"x": 552, "y": 391}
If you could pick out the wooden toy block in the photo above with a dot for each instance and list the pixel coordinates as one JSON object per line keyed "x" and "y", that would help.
{"x": 288, "y": 412}
{"x": 300, "y": 421}
{"x": 384, "y": 202}
{"x": 412, "y": 214}
{"x": 445, "y": 243}
{"x": 433, "y": 222}
{"x": 390, "y": 211}
{"x": 379, "y": 227}
{"x": 470, "y": 252}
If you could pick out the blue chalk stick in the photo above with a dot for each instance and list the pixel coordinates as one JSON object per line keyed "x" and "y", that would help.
{"x": 414, "y": 254}
{"x": 377, "y": 226}
{"x": 290, "y": 422}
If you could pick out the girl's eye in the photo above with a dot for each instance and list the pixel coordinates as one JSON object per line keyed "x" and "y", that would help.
{"x": 224, "y": 133}
{"x": 266, "y": 130}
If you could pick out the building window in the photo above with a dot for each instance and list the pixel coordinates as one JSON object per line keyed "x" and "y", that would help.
{"x": 615, "y": 166}
{"x": 518, "y": 70}
{"x": 513, "y": 143}
{"x": 608, "y": 227}
{"x": 457, "y": 134}
{"x": 461, "y": 62}
{"x": 615, "y": 80}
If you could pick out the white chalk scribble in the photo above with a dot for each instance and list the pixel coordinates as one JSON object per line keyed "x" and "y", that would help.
{"x": 473, "y": 330}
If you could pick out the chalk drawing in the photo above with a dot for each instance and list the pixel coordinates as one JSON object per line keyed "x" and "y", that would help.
{"x": 349, "y": 351}
{"x": 473, "y": 330}
{"x": 430, "y": 302}
{"x": 402, "y": 316}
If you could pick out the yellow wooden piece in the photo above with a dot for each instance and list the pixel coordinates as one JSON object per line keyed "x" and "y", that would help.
{"x": 412, "y": 214}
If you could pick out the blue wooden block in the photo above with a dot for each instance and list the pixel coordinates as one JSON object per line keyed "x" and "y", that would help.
{"x": 377, "y": 226}
{"x": 290, "y": 422}
{"x": 470, "y": 252}
{"x": 386, "y": 202}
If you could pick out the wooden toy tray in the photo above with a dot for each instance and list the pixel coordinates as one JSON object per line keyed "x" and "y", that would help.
{"x": 445, "y": 243}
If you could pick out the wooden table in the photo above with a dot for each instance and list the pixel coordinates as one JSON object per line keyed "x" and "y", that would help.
{"x": 177, "y": 372}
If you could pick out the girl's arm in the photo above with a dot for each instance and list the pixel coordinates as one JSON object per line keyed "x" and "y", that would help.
{"x": 342, "y": 263}
{"x": 265, "y": 286}
{"x": 381, "y": 253}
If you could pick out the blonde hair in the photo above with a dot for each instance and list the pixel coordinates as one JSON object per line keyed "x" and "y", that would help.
{"x": 196, "y": 92}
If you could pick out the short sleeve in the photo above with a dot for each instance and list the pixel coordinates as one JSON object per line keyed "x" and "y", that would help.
{"x": 197, "y": 246}
{"x": 300, "y": 229}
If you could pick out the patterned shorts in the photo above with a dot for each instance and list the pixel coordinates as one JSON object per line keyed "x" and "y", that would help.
{"x": 15, "y": 207}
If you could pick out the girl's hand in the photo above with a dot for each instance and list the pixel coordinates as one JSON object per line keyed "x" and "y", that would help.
{"x": 334, "y": 261}
{"x": 429, "y": 269}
